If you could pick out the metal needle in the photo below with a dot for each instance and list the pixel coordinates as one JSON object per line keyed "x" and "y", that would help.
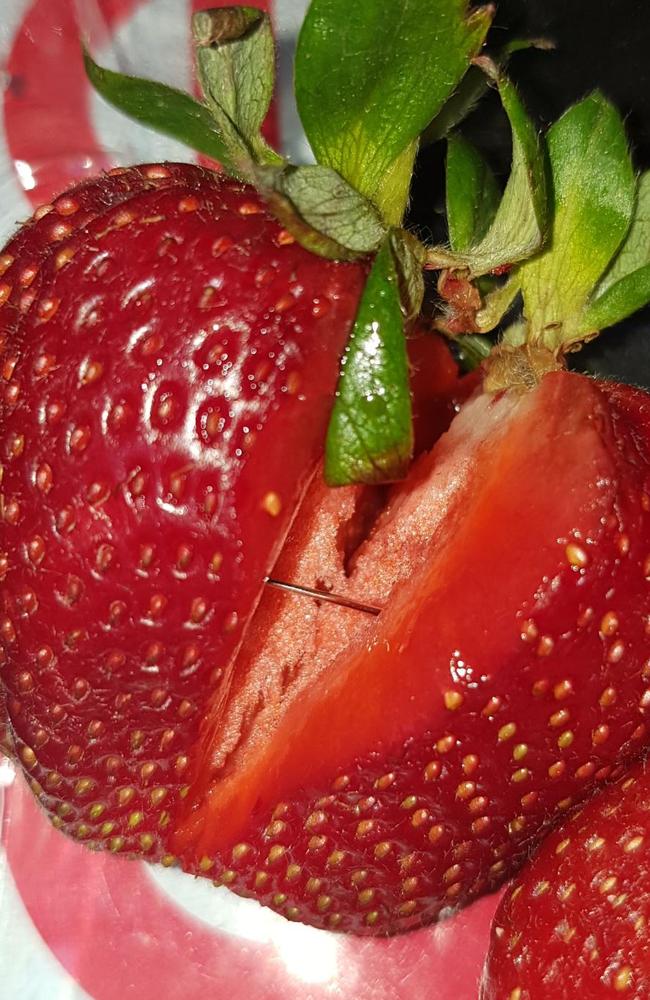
{"x": 322, "y": 595}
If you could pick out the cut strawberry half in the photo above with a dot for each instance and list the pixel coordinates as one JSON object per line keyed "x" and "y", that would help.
{"x": 365, "y": 773}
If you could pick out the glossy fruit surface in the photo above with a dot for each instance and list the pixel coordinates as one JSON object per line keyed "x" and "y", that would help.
{"x": 169, "y": 355}
{"x": 367, "y": 773}
{"x": 578, "y": 915}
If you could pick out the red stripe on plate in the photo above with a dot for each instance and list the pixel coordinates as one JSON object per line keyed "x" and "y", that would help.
{"x": 46, "y": 107}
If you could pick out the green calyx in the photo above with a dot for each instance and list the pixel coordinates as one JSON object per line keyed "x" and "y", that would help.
{"x": 592, "y": 269}
{"x": 368, "y": 82}
{"x": 370, "y": 438}
{"x": 487, "y": 232}
{"x": 371, "y": 77}
{"x": 594, "y": 192}
{"x": 235, "y": 63}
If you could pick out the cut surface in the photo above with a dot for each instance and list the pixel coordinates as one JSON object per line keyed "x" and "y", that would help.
{"x": 415, "y": 749}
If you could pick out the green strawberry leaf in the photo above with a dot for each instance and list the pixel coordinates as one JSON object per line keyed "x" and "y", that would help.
{"x": 626, "y": 285}
{"x": 322, "y": 211}
{"x": 235, "y": 59}
{"x": 369, "y": 79}
{"x": 472, "y": 194}
{"x": 594, "y": 194}
{"x": 519, "y": 225}
{"x": 635, "y": 252}
{"x": 518, "y": 228}
{"x": 623, "y": 299}
{"x": 164, "y": 109}
{"x": 370, "y": 436}
{"x": 461, "y": 104}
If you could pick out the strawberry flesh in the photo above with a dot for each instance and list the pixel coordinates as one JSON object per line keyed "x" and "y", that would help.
{"x": 169, "y": 355}
{"x": 367, "y": 774}
{"x": 578, "y": 915}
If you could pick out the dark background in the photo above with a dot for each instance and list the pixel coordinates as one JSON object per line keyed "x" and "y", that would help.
{"x": 599, "y": 43}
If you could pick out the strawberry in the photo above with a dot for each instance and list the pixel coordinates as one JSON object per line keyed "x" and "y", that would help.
{"x": 368, "y": 773}
{"x": 578, "y": 914}
{"x": 369, "y": 765}
{"x": 436, "y": 389}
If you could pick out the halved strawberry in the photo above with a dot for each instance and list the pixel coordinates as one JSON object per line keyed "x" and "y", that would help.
{"x": 162, "y": 339}
{"x": 366, "y": 774}
{"x": 577, "y": 918}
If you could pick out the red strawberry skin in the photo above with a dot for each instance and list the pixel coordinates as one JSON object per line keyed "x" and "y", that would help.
{"x": 415, "y": 767}
{"x": 169, "y": 355}
{"x": 576, "y": 921}
{"x": 437, "y": 391}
